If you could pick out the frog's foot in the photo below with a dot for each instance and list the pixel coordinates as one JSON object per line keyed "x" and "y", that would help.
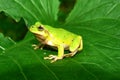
{"x": 35, "y": 46}
{"x": 53, "y": 58}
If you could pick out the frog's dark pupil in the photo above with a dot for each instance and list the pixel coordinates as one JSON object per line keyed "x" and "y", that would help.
{"x": 40, "y": 28}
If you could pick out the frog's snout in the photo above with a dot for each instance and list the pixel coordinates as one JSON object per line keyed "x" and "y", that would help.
{"x": 31, "y": 28}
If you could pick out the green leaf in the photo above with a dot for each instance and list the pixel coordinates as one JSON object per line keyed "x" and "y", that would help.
{"x": 25, "y": 63}
{"x": 10, "y": 28}
{"x": 22, "y": 62}
{"x": 31, "y": 10}
{"x": 97, "y": 21}
{"x": 5, "y": 42}
{"x": 87, "y": 10}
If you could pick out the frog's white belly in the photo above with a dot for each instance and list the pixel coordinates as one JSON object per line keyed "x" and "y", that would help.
{"x": 50, "y": 43}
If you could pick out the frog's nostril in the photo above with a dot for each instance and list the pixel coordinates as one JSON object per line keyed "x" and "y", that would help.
{"x": 32, "y": 27}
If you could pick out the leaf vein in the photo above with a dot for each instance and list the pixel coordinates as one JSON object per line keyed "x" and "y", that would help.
{"x": 26, "y": 9}
{"x": 85, "y": 69}
{"x": 98, "y": 32}
{"x": 35, "y": 5}
{"x": 21, "y": 70}
{"x": 110, "y": 10}
{"x": 45, "y": 65}
{"x": 108, "y": 46}
{"x": 107, "y": 56}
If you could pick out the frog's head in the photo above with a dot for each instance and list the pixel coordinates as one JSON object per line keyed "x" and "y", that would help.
{"x": 39, "y": 29}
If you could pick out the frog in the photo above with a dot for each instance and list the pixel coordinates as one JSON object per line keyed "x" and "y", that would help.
{"x": 56, "y": 38}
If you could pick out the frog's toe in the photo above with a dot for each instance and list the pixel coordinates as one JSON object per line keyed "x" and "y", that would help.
{"x": 53, "y": 57}
{"x": 35, "y": 46}
{"x": 56, "y": 58}
{"x": 50, "y": 57}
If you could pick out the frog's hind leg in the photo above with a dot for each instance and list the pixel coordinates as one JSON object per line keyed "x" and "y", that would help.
{"x": 77, "y": 45}
{"x": 57, "y": 57}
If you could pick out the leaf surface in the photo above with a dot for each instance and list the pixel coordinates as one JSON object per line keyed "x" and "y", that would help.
{"x": 31, "y": 10}
{"x": 5, "y": 42}
{"x": 97, "y": 21}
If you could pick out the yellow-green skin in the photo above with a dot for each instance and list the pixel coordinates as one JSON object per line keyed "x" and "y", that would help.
{"x": 58, "y": 39}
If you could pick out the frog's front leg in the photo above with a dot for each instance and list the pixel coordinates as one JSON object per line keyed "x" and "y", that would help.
{"x": 59, "y": 56}
{"x": 39, "y": 46}
{"x": 77, "y": 45}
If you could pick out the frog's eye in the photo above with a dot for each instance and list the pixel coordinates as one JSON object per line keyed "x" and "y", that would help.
{"x": 40, "y": 28}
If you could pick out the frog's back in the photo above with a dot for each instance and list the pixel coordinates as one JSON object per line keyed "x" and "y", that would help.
{"x": 64, "y": 36}
{"x": 61, "y": 35}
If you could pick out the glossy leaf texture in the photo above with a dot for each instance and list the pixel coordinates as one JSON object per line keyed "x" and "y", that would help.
{"x": 87, "y": 10}
{"x": 97, "y": 21}
{"x": 5, "y": 42}
{"x": 31, "y": 10}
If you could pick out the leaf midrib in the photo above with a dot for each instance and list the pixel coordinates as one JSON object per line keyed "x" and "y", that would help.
{"x": 17, "y": 63}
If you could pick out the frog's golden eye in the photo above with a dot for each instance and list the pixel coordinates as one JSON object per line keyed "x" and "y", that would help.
{"x": 40, "y": 28}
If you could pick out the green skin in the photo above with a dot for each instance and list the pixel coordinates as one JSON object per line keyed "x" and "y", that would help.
{"x": 57, "y": 38}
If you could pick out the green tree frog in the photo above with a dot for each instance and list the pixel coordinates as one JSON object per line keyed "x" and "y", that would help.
{"x": 56, "y": 38}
